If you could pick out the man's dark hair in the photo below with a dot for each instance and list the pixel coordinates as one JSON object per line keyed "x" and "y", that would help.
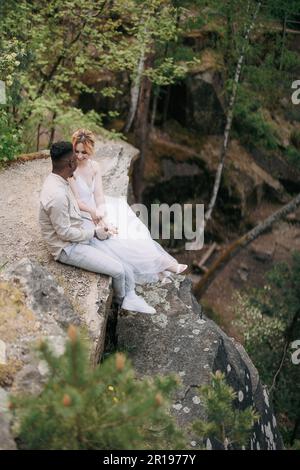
{"x": 60, "y": 150}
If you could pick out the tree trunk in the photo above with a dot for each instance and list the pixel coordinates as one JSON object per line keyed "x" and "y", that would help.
{"x": 135, "y": 90}
{"x": 38, "y": 137}
{"x": 230, "y": 112}
{"x": 141, "y": 131}
{"x": 154, "y": 106}
{"x": 235, "y": 247}
{"x": 52, "y": 132}
{"x": 229, "y": 36}
{"x": 166, "y": 106}
{"x": 283, "y": 42}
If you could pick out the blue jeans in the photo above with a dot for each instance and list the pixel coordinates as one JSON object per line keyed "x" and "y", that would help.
{"x": 95, "y": 256}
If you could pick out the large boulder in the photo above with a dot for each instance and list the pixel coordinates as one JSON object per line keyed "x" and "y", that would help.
{"x": 195, "y": 104}
{"x": 34, "y": 309}
{"x": 180, "y": 339}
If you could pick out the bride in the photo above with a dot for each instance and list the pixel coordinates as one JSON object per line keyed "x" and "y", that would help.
{"x": 129, "y": 238}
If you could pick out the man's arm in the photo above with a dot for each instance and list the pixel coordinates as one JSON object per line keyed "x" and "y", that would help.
{"x": 60, "y": 218}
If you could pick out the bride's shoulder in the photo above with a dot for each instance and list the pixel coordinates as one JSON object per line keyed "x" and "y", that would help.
{"x": 72, "y": 180}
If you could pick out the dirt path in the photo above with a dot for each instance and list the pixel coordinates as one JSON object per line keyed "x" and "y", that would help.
{"x": 19, "y": 231}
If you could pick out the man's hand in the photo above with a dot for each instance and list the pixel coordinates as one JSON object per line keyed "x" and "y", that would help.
{"x": 101, "y": 232}
{"x": 106, "y": 223}
{"x": 104, "y": 231}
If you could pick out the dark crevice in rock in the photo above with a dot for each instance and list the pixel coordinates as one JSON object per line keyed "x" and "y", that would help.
{"x": 111, "y": 336}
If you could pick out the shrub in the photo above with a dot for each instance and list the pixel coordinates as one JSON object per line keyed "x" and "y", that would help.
{"x": 10, "y": 138}
{"x": 105, "y": 407}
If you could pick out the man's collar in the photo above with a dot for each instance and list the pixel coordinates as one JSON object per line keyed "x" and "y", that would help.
{"x": 60, "y": 178}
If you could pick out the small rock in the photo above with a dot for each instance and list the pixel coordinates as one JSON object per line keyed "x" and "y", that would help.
{"x": 260, "y": 255}
{"x": 177, "y": 406}
{"x": 2, "y": 352}
{"x": 243, "y": 275}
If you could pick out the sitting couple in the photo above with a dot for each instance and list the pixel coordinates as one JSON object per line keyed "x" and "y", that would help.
{"x": 80, "y": 225}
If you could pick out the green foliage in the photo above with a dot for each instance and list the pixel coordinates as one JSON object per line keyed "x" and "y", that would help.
{"x": 295, "y": 446}
{"x": 167, "y": 71}
{"x": 280, "y": 8}
{"x": 295, "y": 139}
{"x": 105, "y": 407}
{"x": 229, "y": 426}
{"x": 293, "y": 156}
{"x": 10, "y": 138}
{"x": 291, "y": 62}
{"x": 52, "y": 113}
{"x": 249, "y": 123}
{"x": 100, "y": 40}
{"x": 269, "y": 65}
{"x": 269, "y": 320}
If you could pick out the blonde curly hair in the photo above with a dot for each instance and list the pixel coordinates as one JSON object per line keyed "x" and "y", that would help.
{"x": 84, "y": 137}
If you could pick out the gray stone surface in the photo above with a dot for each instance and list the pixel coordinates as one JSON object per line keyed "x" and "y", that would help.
{"x": 43, "y": 295}
{"x": 177, "y": 339}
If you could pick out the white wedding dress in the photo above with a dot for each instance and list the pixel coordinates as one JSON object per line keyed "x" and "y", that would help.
{"x": 133, "y": 245}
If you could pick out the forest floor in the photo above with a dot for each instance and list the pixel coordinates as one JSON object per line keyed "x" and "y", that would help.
{"x": 248, "y": 269}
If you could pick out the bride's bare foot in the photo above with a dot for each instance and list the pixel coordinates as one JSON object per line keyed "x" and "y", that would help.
{"x": 177, "y": 268}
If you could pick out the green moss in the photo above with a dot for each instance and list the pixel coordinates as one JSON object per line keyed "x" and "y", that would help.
{"x": 15, "y": 318}
{"x": 211, "y": 313}
{"x": 8, "y": 372}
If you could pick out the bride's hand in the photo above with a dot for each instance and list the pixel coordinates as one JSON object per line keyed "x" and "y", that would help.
{"x": 111, "y": 228}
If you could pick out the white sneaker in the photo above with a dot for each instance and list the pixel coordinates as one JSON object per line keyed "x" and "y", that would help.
{"x": 135, "y": 303}
{"x": 164, "y": 277}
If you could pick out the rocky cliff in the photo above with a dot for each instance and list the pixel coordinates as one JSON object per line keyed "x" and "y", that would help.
{"x": 40, "y": 298}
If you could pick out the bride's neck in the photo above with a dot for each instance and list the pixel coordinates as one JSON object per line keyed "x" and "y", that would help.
{"x": 84, "y": 164}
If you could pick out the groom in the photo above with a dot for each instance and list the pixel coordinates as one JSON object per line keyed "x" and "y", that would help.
{"x": 69, "y": 242}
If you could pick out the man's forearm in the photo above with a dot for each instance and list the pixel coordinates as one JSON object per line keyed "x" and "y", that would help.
{"x": 74, "y": 235}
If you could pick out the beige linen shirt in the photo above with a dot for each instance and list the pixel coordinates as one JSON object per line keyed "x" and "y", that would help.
{"x": 59, "y": 216}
